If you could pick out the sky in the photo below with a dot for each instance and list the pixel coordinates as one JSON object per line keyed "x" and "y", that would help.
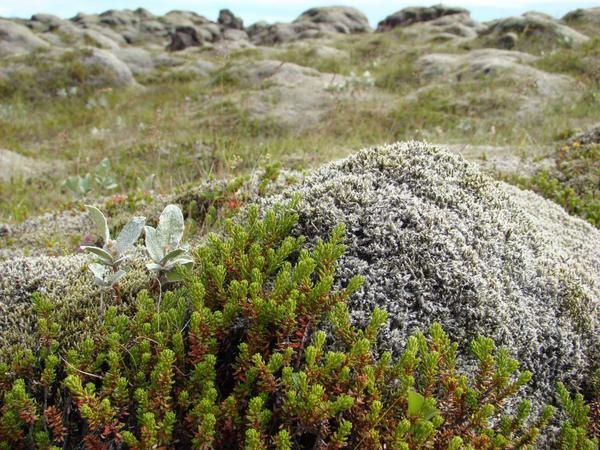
{"x": 285, "y": 10}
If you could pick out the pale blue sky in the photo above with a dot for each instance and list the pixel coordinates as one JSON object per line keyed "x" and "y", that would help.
{"x": 283, "y": 10}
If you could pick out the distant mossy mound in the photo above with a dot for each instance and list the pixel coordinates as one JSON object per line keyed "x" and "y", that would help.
{"x": 436, "y": 240}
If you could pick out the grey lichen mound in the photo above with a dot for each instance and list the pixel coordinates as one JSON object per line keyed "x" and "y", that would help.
{"x": 436, "y": 240}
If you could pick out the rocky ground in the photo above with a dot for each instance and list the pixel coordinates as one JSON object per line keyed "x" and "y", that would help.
{"x": 226, "y": 114}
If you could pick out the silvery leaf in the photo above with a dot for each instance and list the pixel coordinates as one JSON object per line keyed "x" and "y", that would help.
{"x": 130, "y": 234}
{"x": 183, "y": 261}
{"x": 146, "y": 184}
{"x": 103, "y": 167}
{"x": 172, "y": 255}
{"x": 100, "y": 222}
{"x": 117, "y": 277}
{"x": 85, "y": 184}
{"x": 153, "y": 267}
{"x": 170, "y": 227}
{"x": 72, "y": 184}
{"x": 121, "y": 260}
{"x": 100, "y": 271}
{"x": 110, "y": 184}
{"x": 103, "y": 254}
{"x": 153, "y": 245}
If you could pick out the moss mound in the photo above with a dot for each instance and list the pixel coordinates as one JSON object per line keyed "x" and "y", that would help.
{"x": 438, "y": 241}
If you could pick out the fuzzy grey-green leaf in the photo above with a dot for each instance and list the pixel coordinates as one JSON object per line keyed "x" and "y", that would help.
{"x": 130, "y": 234}
{"x": 153, "y": 245}
{"x": 99, "y": 222}
{"x": 99, "y": 271}
{"x": 105, "y": 257}
{"x": 172, "y": 255}
{"x": 170, "y": 227}
{"x": 115, "y": 278}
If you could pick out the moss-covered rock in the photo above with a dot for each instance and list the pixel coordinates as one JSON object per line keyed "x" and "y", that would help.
{"x": 436, "y": 240}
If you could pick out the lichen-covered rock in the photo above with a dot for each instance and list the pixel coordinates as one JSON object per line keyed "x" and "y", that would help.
{"x": 137, "y": 59}
{"x": 228, "y": 20}
{"x": 591, "y": 136}
{"x": 590, "y": 16}
{"x": 184, "y": 37}
{"x": 284, "y": 94}
{"x": 118, "y": 70}
{"x": 311, "y": 23}
{"x": 16, "y": 38}
{"x": 408, "y": 16}
{"x": 458, "y": 27}
{"x": 436, "y": 240}
{"x": 16, "y": 166}
{"x": 530, "y": 87}
{"x": 539, "y": 27}
{"x": 336, "y": 19}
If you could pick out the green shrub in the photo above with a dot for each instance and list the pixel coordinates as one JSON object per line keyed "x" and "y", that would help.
{"x": 234, "y": 357}
{"x": 574, "y": 183}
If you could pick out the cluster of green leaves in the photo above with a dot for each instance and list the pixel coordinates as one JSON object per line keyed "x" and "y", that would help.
{"x": 576, "y": 430}
{"x": 103, "y": 179}
{"x": 235, "y": 357}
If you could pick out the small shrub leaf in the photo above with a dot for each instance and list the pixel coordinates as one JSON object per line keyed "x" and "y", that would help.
{"x": 98, "y": 270}
{"x": 105, "y": 257}
{"x": 130, "y": 234}
{"x": 100, "y": 222}
{"x": 170, "y": 227}
{"x": 153, "y": 245}
{"x": 172, "y": 255}
{"x": 415, "y": 403}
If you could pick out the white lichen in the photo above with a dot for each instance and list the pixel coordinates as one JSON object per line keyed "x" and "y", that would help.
{"x": 436, "y": 240}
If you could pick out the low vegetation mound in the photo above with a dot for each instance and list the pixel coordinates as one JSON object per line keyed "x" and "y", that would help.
{"x": 436, "y": 240}
{"x": 232, "y": 356}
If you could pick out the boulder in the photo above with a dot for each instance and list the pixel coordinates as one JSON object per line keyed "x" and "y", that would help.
{"x": 86, "y": 20}
{"x": 230, "y": 21}
{"x": 408, "y": 16}
{"x": 16, "y": 38}
{"x": 46, "y": 22}
{"x": 232, "y": 34}
{"x": 174, "y": 19}
{"x": 198, "y": 67}
{"x": 16, "y": 166}
{"x": 591, "y": 136}
{"x": 457, "y": 27}
{"x": 184, "y": 37}
{"x": 336, "y": 19}
{"x": 262, "y": 33}
{"x": 99, "y": 39}
{"x": 211, "y": 32}
{"x": 119, "y": 71}
{"x": 310, "y": 24}
{"x": 119, "y": 18}
{"x": 438, "y": 241}
{"x": 590, "y": 16}
{"x": 495, "y": 63}
{"x": 283, "y": 94}
{"x": 137, "y": 59}
{"x": 532, "y": 25}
